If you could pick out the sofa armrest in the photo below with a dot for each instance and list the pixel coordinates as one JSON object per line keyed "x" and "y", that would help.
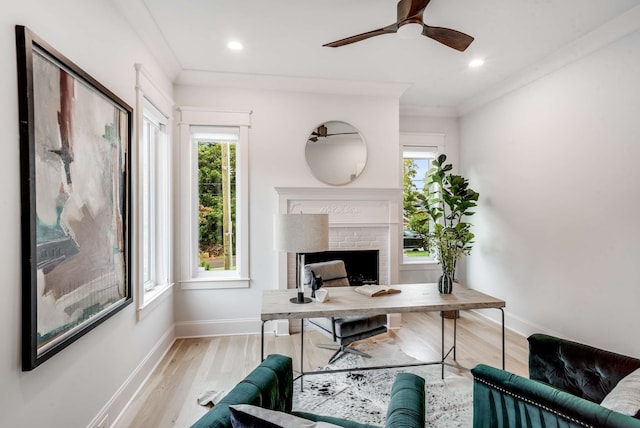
{"x": 407, "y": 405}
{"x": 503, "y": 399}
{"x": 578, "y": 369}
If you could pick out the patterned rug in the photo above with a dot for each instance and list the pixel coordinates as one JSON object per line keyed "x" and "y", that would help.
{"x": 363, "y": 396}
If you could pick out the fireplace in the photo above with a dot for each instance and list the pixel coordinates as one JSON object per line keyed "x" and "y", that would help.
{"x": 362, "y": 265}
{"x": 360, "y": 220}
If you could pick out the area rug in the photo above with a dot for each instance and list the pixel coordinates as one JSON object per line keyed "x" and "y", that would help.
{"x": 363, "y": 396}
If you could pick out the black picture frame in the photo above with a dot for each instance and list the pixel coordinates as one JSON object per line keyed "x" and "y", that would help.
{"x": 75, "y": 144}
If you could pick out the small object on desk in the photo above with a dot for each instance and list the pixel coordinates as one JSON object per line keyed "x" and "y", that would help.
{"x": 322, "y": 296}
{"x": 373, "y": 290}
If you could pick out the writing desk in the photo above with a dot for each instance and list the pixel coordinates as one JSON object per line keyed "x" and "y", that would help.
{"x": 344, "y": 301}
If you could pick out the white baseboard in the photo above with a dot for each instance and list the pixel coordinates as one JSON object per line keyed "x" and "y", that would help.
{"x": 119, "y": 402}
{"x": 226, "y": 327}
{"x": 516, "y": 324}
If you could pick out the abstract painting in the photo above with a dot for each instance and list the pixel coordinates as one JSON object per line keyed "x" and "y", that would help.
{"x": 74, "y": 147}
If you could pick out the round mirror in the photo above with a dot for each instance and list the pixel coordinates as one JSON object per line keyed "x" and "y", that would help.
{"x": 336, "y": 153}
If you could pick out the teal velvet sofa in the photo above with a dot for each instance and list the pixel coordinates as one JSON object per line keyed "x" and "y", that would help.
{"x": 270, "y": 386}
{"x": 567, "y": 382}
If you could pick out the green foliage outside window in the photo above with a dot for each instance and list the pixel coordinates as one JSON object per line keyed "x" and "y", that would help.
{"x": 211, "y": 206}
{"x": 414, "y": 200}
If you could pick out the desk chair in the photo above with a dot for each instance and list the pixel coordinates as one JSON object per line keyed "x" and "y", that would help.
{"x": 344, "y": 330}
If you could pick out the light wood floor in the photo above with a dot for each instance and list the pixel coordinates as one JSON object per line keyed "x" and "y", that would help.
{"x": 193, "y": 366}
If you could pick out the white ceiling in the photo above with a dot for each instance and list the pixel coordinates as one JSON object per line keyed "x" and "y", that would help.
{"x": 284, "y": 38}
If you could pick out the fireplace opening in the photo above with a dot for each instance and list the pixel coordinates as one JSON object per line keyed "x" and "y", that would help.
{"x": 361, "y": 265}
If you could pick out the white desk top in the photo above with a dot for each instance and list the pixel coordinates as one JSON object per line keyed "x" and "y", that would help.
{"x": 345, "y": 301}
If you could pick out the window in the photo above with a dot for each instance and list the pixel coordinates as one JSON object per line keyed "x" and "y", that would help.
{"x": 154, "y": 198}
{"x": 214, "y": 195}
{"x": 418, "y": 151}
{"x": 152, "y": 209}
{"x": 216, "y": 151}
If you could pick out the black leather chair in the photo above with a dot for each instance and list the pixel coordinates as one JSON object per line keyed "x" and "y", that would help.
{"x": 345, "y": 330}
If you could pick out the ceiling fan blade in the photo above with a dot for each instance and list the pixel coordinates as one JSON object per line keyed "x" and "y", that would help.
{"x": 411, "y": 8}
{"x": 342, "y": 133}
{"x": 347, "y": 41}
{"x": 448, "y": 37}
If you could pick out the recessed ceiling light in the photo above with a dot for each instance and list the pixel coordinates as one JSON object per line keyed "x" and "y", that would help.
{"x": 235, "y": 46}
{"x": 476, "y": 63}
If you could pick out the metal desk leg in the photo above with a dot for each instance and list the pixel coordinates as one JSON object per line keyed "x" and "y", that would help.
{"x": 502, "y": 312}
{"x": 442, "y": 344}
{"x": 262, "y": 342}
{"x": 455, "y": 335}
{"x": 301, "y": 353}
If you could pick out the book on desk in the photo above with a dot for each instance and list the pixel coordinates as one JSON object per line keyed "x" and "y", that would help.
{"x": 374, "y": 290}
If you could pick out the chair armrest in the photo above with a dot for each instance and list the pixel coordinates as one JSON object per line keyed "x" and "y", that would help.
{"x": 407, "y": 405}
{"x": 579, "y": 369}
{"x": 503, "y": 399}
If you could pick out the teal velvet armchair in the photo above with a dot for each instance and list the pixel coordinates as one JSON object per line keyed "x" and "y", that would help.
{"x": 270, "y": 386}
{"x": 568, "y": 380}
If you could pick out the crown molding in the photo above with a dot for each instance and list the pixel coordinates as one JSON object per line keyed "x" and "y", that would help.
{"x": 429, "y": 111}
{"x": 604, "y": 35}
{"x": 136, "y": 13}
{"x": 291, "y": 83}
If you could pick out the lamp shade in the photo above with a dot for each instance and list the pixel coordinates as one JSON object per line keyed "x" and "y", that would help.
{"x": 301, "y": 233}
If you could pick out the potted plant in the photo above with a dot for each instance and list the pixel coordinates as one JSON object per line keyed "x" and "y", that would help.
{"x": 447, "y": 200}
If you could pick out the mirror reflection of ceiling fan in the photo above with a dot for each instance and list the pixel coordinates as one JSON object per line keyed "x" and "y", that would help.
{"x": 323, "y": 132}
{"x": 411, "y": 12}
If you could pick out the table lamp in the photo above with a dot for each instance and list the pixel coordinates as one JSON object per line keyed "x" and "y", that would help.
{"x": 300, "y": 234}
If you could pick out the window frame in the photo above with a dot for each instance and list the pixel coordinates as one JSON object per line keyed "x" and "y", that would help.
{"x": 152, "y": 105}
{"x": 421, "y": 142}
{"x": 195, "y": 141}
{"x": 190, "y": 278}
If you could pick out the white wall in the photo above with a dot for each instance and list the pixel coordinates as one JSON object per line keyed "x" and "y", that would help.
{"x": 281, "y": 123}
{"x": 71, "y": 388}
{"x": 556, "y": 166}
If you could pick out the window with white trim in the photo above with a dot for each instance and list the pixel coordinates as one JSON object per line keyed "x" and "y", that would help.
{"x": 214, "y": 195}
{"x": 154, "y": 166}
{"x": 418, "y": 151}
{"x": 153, "y": 193}
{"x": 216, "y": 183}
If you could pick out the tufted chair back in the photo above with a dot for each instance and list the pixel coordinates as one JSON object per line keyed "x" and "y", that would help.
{"x": 578, "y": 369}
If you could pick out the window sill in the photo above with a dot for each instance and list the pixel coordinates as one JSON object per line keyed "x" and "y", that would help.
{"x": 213, "y": 284}
{"x": 420, "y": 265}
{"x": 153, "y": 298}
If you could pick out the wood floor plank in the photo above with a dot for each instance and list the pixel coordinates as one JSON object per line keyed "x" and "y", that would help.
{"x": 193, "y": 366}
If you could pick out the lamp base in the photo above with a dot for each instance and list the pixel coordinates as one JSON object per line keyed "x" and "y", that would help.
{"x": 304, "y": 300}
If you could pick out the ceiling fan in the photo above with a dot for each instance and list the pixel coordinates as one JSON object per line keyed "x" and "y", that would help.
{"x": 410, "y": 12}
{"x": 322, "y": 132}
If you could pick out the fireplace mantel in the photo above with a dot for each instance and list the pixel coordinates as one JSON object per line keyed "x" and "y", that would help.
{"x": 368, "y": 217}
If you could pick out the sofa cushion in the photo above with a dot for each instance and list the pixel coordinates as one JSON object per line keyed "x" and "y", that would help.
{"x": 344, "y": 423}
{"x": 247, "y": 416}
{"x": 625, "y": 397}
